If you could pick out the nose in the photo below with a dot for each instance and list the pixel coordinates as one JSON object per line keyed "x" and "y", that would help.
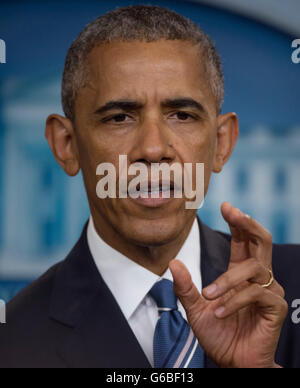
{"x": 153, "y": 143}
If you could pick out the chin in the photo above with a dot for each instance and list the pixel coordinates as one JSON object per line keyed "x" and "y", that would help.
{"x": 153, "y": 233}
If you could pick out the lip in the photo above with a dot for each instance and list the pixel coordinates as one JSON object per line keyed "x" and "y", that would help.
{"x": 153, "y": 202}
{"x": 156, "y": 200}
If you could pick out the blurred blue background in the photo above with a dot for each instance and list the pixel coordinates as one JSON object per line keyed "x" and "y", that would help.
{"x": 42, "y": 211}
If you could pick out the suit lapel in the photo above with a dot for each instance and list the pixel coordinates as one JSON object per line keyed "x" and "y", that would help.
{"x": 215, "y": 255}
{"x": 99, "y": 334}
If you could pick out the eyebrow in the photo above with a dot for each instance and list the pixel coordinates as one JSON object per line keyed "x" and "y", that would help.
{"x": 125, "y": 105}
{"x": 130, "y": 105}
{"x": 183, "y": 102}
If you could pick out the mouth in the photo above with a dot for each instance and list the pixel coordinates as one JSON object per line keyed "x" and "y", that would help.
{"x": 153, "y": 194}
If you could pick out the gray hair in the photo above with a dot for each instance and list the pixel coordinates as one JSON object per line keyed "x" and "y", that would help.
{"x": 137, "y": 23}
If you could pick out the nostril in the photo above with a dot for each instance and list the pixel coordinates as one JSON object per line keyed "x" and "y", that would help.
{"x": 148, "y": 162}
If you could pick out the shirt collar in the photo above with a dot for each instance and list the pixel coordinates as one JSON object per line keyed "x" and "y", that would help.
{"x": 128, "y": 281}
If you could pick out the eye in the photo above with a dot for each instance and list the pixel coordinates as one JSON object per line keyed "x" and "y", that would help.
{"x": 183, "y": 116}
{"x": 118, "y": 118}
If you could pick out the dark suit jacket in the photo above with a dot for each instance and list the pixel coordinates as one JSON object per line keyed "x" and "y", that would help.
{"x": 69, "y": 318}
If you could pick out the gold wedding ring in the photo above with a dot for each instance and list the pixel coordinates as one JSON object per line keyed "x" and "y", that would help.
{"x": 270, "y": 281}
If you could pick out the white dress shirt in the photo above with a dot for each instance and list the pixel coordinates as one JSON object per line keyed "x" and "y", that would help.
{"x": 130, "y": 283}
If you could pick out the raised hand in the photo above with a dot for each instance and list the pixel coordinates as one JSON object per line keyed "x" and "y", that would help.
{"x": 238, "y": 318}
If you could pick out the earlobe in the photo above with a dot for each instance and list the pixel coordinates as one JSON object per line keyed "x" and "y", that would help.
{"x": 218, "y": 165}
{"x": 61, "y": 139}
{"x": 227, "y": 136}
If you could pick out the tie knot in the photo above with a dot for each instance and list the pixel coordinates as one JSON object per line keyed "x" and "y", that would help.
{"x": 163, "y": 294}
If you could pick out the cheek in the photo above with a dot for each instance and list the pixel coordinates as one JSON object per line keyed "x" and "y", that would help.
{"x": 92, "y": 153}
{"x": 94, "y": 147}
{"x": 209, "y": 162}
{"x": 87, "y": 156}
{"x": 90, "y": 156}
{"x": 202, "y": 150}
{"x": 201, "y": 147}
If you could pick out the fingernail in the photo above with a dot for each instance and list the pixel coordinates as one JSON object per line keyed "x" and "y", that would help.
{"x": 211, "y": 289}
{"x": 219, "y": 311}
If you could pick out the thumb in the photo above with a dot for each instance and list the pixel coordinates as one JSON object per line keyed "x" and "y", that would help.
{"x": 184, "y": 288}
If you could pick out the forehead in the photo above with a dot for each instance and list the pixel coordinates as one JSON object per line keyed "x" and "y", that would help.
{"x": 144, "y": 70}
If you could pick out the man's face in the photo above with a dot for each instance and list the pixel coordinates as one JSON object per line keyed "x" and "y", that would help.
{"x": 151, "y": 102}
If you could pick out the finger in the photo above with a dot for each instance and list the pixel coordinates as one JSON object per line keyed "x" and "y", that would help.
{"x": 245, "y": 229}
{"x": 184, "y": 287}
{"x": 243, "y": 224}
{"x": 272, "y": 306}
{"x": 251, "y": 270}
{"x": 233, "y": 217}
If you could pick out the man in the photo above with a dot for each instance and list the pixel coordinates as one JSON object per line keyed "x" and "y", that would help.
{"x": 147, "y": 83}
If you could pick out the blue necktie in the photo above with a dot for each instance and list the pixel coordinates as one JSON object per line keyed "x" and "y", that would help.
{"x": 174, "y": 345}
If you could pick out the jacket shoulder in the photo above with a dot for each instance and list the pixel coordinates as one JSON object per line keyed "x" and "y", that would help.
{"x": 34, "y": 296}
{"x": 27, "y": 337}
{"x": 31, "y": 334}
{"x": 286, "y": 266}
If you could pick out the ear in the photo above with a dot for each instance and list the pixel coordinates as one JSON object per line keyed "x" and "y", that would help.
{"x": 227, "y": 135}
{"x": 62, "y": 141}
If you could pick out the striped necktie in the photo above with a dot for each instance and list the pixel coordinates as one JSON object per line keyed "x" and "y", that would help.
{"x": 174, "y": 344}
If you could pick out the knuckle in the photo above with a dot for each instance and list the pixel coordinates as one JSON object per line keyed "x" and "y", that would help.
{"x": 224, "y": 281}
{"x": 256, "y": 290}
{"x": 284, "y": 307}
{"x": 186, "y": 292}
{"x": 255, "y": 266}
{"x": 252, "y": 261}
{"x": 281, "y": 290}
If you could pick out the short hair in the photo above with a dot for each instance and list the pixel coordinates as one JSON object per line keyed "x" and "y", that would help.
{"x": 137, "y": 23}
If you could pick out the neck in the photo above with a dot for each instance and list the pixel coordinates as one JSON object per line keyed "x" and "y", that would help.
{"x": 154, "y": 258}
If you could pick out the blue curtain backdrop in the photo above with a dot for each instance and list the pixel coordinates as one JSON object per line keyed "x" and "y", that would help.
{"x": 42, "y": 211}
